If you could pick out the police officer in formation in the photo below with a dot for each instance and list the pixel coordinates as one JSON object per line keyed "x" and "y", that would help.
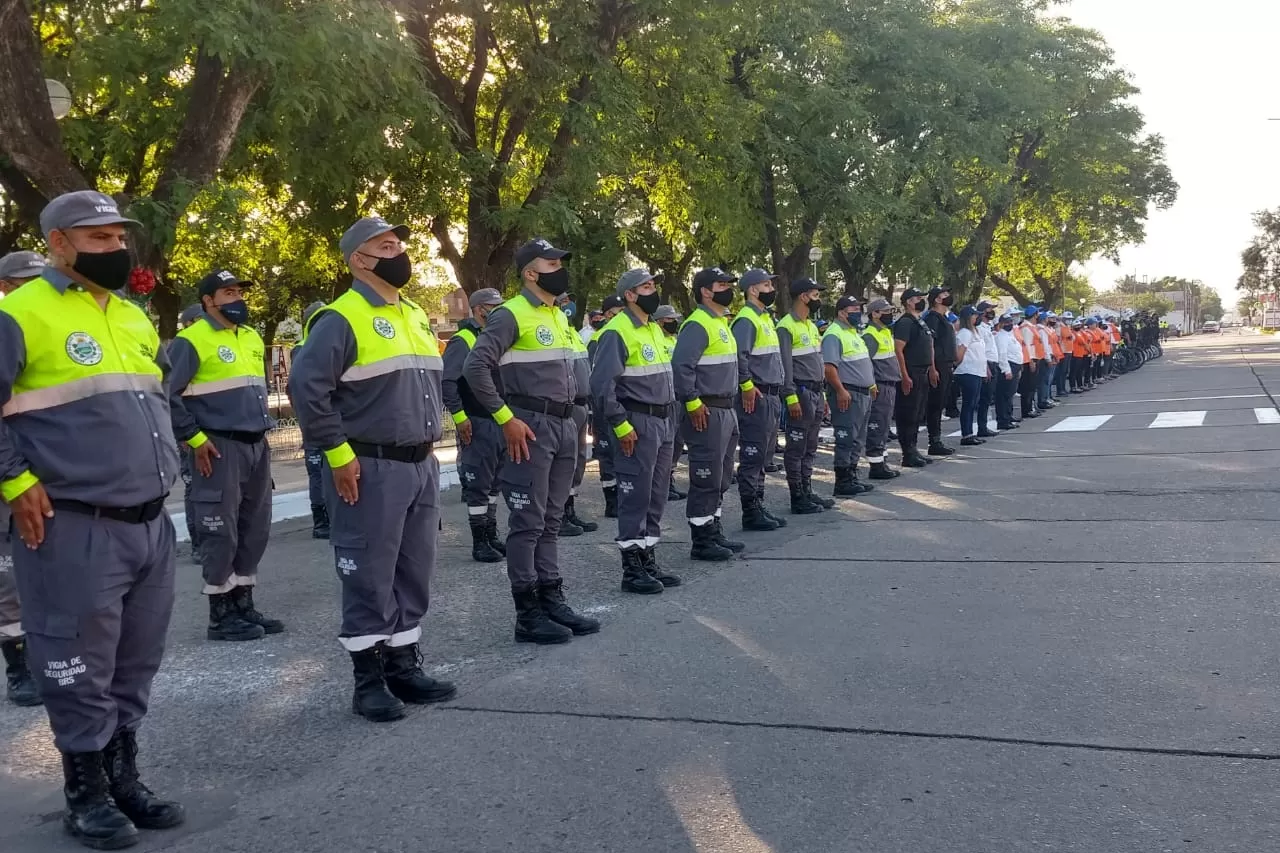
{"x": 760, "y": 381}
{"x": 218, "y": 400}
{"x": 802, "y": 384}
{"x": 573, "y": 524}
{"x": 913, "y": 343}
{"x": 82, "y": 370}
{"x": 851, "y": 388}
{"x": 705, "y": 369}
{"x": 878, "y": 336}
{"x": 188, "y": 316}
{"x": 631, "y": 386}
{"x": 669, "y": 319}
{"x": 528, "y": 340}
{"x": 944, "y": 365}
{"x": 367, "y": 391}
{"x": 603, "y": 445}
{"x": 16, "y": 269}
{"x": 482, "y": 448}
{"x": 312, "y": 456}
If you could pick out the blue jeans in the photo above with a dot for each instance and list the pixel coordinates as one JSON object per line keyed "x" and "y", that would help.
{"x": 970, "y": 391}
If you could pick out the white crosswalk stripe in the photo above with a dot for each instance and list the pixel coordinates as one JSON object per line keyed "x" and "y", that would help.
{"x": 1166, "y": 420}
{"x": 1079, "y": 423}
{"x": 1269, "y": 415}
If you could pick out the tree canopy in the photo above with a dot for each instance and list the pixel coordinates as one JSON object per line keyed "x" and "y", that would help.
{"x": 988, "y": 144}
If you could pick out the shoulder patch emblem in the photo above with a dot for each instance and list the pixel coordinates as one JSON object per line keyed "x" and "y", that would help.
{"x": 227, "y": 354}
{"x": 544, "y": 336}
{"x": 724, "y": 335}
{"x": 383, "y": 327}
{"x": 647, "y": 353}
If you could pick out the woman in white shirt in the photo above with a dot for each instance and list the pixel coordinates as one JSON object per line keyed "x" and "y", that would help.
{"x": 971, "y": 370}
{"x": 1009, "y": 360}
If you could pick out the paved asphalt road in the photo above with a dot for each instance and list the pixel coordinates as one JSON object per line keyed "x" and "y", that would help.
{"x": 1061, "y": 641}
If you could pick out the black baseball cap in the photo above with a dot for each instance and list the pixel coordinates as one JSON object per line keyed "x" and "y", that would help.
{"x": 847, "y": 302}
{"x": 804, "y": 285}
{"x": 610, "y": 302}
{"x": 539, "y": 248}
{"x": 709, "y": 276}
{"x": 935, "y": 292}
{"x": 910, "y": 293}
{"x": 220, "y": 278}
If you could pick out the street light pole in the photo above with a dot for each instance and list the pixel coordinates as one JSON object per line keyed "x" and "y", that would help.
{"x": 815, "y": 255}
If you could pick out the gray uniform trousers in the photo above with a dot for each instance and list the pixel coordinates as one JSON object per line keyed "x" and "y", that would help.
{"x": 758, "y": 440}
{"x": 97, "y": 596}
{"x": 384, "y": 549}
{"x": 184, "y": 471}
{"x": 10, "y": 611}
{"x": 603, "y": 448}
{"x": 802, "y": 436}
{"x": 581, "y": 417}
{"x": 644, "y": 479}
{"x": 479, "y": 464}
{"x": 233, "y": 514}
{"x": 314, "y": 459}
{"x": 850, "y": 426}
{"x": 535, "y": 491}
{"x": 880, "y": 420}
{"x": 710, "y": 462}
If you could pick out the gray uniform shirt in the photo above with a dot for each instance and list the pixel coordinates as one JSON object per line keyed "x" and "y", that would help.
{"x": 454, "y": 387}
{"x": 551, "y": 379}
{"x": 241, "y": 409}
{"x": 112, "y": 449}
{"x": 692, "y": 379}
{"x": 886, "y": 369}
{"x": 612, "y": 381}
{"x": 400, "y": 408}
{"x": 855, "y": 371}
{"x": 764, "y": 365}
{"x": 804, "y": 368}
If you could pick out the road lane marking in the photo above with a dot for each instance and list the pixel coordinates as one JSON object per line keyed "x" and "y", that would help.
{"x": 1079, "y": 423}
{"x": 1269, "y": 415}
{"x": 1166, "y": 420}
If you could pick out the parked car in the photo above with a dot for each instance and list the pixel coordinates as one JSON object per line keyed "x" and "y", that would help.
{"x": 1211, "y": 327}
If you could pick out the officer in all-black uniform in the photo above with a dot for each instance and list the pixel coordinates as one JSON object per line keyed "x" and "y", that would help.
{"x": 914, "y": 344}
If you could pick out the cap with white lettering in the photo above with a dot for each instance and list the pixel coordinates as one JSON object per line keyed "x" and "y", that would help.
{"x": 210, "y": 284}
{"x": 365, "y": 230}
{"x": 81, "y": 209}
{"x": 21, "y": 265}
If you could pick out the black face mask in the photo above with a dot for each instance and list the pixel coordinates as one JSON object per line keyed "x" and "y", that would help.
{"x": 670, "y": 326}
{"x": 948, "y": 301}
{"x": 105, "y": 269}
{"x": 722, "y": 297}
{"x": 648, "y": 302}
{"x": 1007, "y": 327}
{"x": 237, "y": 313}
{"x": 917, "y": 305}
{"x": 855, "y": 318}
{"x": 815, "y": 305}
{"x": 556, "y": 282}
{"x": 395, "y": 271}
{"x": 989, "y": 317}
{"x": 766, "y": 298}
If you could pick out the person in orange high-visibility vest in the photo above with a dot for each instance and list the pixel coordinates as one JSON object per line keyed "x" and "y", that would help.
{"x": 1113, "y": 326}
{"x": 1098, "y": 344}
{"x": 1066, "y": 338}
{"x": 1079, "y": 355}
{"x": 1052, "y": 335}
{"x": 1029, "y": 381}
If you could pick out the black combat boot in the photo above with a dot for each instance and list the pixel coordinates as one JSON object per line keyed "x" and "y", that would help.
{"x": 846, "y": 485}
{"x": 865, "y": 487}
{"x": 243, "y": 598}
{"x": 937, "y": 448}
{"x": 372, "y": 699}
{"x": 402, "y": 668}
{"x": 496, "y": 542}
{"x": 882, "y": 471}
{"x": 754, "y": 517}
{"x": 551, "y": 597}
{"x": 481, "y": 549}
{"x": 800, "y": 503}
{"x": 225, "y": 621}
{"x": 913, "y": 459}
{"x": 635, "y": 576}
{"x": 610, "y": 501}
{"x": 778, "y": 520}
{"x": 319, "y": 521}
{"x": 92, "y": 818}
{"x": 732, "y": 544}
{"x": 650, "y": 555}
{"x": 704, "y": 544}
{"x": 20, "y": 687}
{"x": 824, "y": 503}
{"x": 533, "y": 625}
{"x": 571, "y": 514}
{"x": 136, "y": 800}
{"x": 674, "y": 494}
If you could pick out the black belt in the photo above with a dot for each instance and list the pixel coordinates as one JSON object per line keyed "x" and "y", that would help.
{"x": 816, "y": 387}
{"x": 858, "y": 389}
{"x": 396, "y": 453}
{"x": 235, "y": 435}
{"x": 718, "y": 402}
{"x": 771, "y": 390}
{"x": 661, "y": 411}
{"x": 149, "y": 511}
{"x": 541, "y": 406}
{"x": 581, "y": 402}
